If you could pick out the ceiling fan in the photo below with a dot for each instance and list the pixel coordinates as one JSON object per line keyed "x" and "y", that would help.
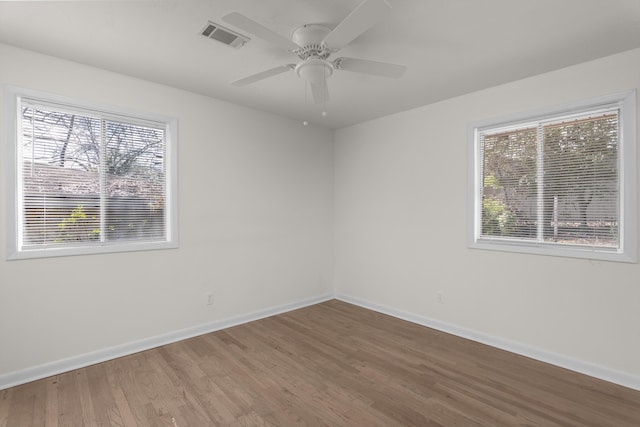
{"x": 314, "y": 43}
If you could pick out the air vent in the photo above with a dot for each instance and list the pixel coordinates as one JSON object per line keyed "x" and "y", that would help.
{"x": 224, "y": 35}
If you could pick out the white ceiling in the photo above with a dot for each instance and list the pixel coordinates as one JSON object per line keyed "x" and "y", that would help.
{"x": 451, "y": 47}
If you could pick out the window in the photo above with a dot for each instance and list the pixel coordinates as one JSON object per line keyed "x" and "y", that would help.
{"x": 86, "y": 179}
{"x": 561, "y": 182}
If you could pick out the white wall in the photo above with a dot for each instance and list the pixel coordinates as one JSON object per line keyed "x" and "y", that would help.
{"x": 256, "y": 220}
{"x": 400, "y": 224}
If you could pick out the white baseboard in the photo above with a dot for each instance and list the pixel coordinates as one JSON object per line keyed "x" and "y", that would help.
{"x": 53, "y": 368}
{"x": 593, "y": 370}
{"x": 75, "y": 362}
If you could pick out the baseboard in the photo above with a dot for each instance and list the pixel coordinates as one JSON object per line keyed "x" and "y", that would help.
{"x": 53, "y": 368}
{"x": 593, "y": 370}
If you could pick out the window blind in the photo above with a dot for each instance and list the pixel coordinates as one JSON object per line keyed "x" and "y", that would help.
{"x": 554, "y": 181}
{"x": 89, "y": 178}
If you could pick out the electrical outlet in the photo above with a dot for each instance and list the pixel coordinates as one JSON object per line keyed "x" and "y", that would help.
{"x": 209, "y": 299}
{"x": 440, "y": 297}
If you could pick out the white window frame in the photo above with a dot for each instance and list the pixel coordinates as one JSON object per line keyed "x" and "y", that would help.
{"x": 627, "y": 252}
{"x": 11, "y": 106}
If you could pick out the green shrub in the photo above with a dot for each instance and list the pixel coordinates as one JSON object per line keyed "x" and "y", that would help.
{"x": 497, "y": 220}
{"x": 78, "y": 226}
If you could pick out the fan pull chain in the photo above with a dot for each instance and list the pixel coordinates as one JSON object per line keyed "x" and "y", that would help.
{"x": 305, "y": 122}
{"x": 324, "y": 95}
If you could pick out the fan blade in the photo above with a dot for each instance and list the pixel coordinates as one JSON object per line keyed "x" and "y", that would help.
{"x": 320, "y": 92}
{"x": 383, "y": 69}
{"x": 263, "y": 75}
{"x": 363, "y": 17}
{"x": 258, "y": 30}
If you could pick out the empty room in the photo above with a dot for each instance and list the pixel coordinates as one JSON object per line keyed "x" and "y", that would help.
{"x": 322, "y": 213}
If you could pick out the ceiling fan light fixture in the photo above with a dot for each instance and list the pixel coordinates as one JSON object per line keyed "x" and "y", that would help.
{"x": 314, "y": 70}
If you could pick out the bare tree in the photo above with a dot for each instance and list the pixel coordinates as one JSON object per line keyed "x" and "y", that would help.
{"x": 72, "y": 140}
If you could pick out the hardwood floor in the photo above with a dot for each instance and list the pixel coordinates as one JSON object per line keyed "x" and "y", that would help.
{"x": 331, "y": 364}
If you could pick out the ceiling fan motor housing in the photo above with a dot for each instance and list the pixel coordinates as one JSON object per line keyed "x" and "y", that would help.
{"x": 309, "y": 37}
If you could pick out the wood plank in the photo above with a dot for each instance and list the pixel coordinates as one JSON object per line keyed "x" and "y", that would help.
{"x": 6, "y": 398}
{"x": 329, "y": 364}
{"x": 51, "y": 406}
{"x": 124, "y": 410}
{"x": 20, "y": 411}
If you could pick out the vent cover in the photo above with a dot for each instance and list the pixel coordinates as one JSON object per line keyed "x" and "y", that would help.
{"x": 224, "y": 35}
